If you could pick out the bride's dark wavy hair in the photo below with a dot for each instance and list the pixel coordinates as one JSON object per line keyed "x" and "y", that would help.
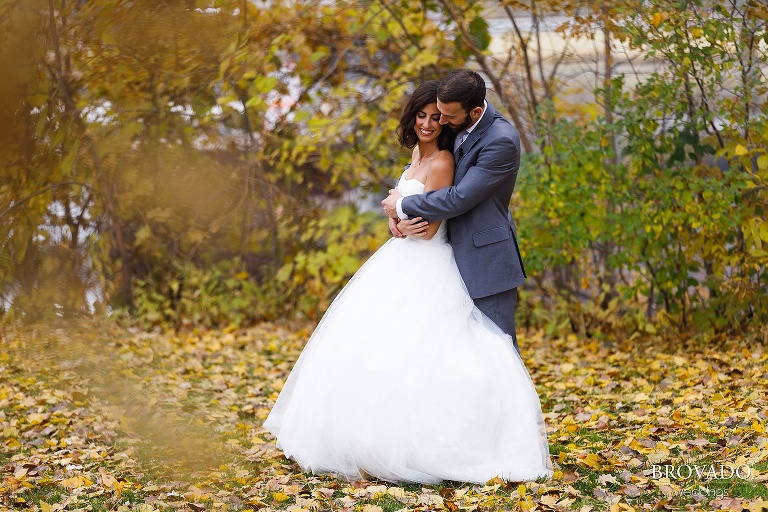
{"x": 424, "y": 94}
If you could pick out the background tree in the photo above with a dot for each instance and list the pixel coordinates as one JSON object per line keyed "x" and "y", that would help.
{"x": 185, "y": 137}
{"x": 186, "y": 162}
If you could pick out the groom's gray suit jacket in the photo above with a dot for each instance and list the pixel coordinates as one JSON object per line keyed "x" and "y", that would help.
{"x": 480, "y": 229}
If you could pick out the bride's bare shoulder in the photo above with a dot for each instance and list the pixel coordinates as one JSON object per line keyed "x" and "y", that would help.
{"x": 444, "y": 158}
{"x": 441, "y": 171}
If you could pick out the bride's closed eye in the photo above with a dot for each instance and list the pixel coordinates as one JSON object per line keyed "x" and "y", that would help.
{"x": 422, "y": 115}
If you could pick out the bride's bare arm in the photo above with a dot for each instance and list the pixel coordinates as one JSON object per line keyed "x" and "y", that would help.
{"x": 440, "y": 175}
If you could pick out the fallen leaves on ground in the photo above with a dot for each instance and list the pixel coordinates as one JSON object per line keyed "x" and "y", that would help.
{"x": 97, "y": 419}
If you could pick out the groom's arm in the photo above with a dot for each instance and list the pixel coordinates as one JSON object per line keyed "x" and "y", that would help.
{"x": 497, "y": 162}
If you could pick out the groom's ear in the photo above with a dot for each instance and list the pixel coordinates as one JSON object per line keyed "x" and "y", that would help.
{"x": 475, "y": 113}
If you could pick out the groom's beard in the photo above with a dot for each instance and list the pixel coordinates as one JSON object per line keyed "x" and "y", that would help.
{"x": 464, "y": 124}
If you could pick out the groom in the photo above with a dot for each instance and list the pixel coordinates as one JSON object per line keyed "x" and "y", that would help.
{"x": 481, "y": 229}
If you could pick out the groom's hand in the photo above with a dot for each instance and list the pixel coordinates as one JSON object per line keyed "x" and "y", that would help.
{"x": 390, "y": 204}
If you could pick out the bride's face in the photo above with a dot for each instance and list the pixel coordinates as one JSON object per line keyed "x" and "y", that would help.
{"x": 428, "y": 125}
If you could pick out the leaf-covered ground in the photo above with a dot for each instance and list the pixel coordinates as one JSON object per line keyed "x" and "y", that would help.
{"x": 99, "y": 420}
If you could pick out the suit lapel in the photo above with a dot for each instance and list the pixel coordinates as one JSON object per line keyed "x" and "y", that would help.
{"x": 474, "y": 136}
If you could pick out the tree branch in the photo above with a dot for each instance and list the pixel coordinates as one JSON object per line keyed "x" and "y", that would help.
{"x": 39, "y": 192}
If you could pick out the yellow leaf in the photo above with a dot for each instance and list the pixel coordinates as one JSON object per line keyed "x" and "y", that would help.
{"x": 756, "y": 506}
{"x": 762, "y": 162}
{"x": 107, "y": 480}
{"x": 656, "y": 19}
{"x": 36, "y": 418}
{"x": 740, "y": 150}
{"x": 527, "y": 504}
{"x": 76, "y": 482}
{"x": 280, "y": 497}
{"x": 292, "y": 489}
{"x": 660, "y": 455}
{"x": 593, "y": 460}
{"x": 52, "y": 507}
{"x": 72, "y": 483}
{"x": 549, "y": 500}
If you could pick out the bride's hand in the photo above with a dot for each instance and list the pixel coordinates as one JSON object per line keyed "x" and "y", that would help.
{"x": 393, "y": 228}
{"x": 413, "y": 227}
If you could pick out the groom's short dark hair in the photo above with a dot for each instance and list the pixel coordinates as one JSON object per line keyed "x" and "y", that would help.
{"x": 463, "y": 86}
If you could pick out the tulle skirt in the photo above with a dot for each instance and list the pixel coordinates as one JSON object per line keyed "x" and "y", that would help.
{"x": 406, "y": 381}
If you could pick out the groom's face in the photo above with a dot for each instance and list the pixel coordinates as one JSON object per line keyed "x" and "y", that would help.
{"x": 455, "y": 117}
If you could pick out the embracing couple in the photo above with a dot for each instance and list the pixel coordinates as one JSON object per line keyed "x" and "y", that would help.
{"x": 413, "y": 374}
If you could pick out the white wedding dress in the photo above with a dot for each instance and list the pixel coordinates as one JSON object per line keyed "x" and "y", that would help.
{"x": 405, "y": 380}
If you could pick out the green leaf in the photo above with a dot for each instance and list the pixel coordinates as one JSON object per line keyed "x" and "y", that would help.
{"x": 265, "y": 84}
{"x": 254, "y": 101}
{"x": 143, "y": 234}
{"x": 318, "y": 55}
{"x": 478, "y": 30}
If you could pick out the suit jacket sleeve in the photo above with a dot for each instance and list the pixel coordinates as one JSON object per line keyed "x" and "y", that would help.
{"x": 497, "y": 162}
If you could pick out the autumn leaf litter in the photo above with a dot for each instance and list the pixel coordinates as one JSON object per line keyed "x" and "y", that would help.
{"x": 102, "y": 419}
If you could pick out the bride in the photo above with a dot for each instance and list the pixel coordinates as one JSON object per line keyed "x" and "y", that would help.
{"x": 444, "y": 398}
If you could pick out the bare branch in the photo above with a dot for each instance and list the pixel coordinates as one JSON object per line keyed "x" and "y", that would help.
{"x": 43, "y": 190}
